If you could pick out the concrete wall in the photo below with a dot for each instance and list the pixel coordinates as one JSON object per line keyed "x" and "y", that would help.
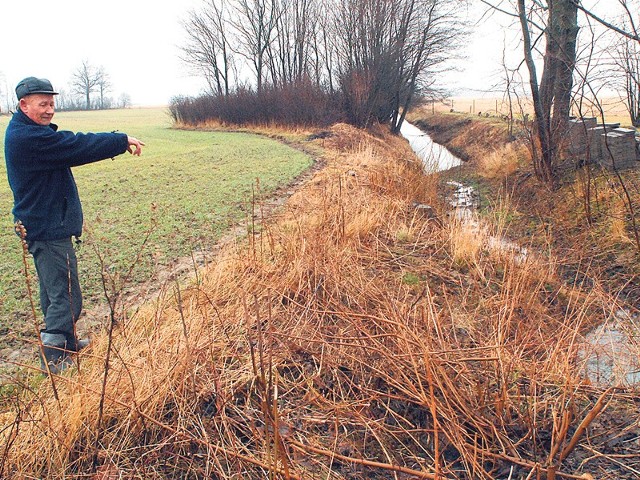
{"x": 618, "y": 148}
{"x": 606, "y": 144}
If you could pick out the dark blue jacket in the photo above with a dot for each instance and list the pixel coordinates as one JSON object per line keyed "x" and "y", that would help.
{"x": 39, "y": 161}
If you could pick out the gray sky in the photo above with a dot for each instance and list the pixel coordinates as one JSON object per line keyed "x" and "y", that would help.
{"x": 491, "y": 35}
{"x": 137, "y": 42}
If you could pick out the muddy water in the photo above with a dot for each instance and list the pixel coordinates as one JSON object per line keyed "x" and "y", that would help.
{"x": 610, "y": 354}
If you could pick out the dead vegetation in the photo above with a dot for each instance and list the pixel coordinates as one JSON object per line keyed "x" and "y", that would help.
{"x": 349, "y": 338}
{"x": 590, "y": 219}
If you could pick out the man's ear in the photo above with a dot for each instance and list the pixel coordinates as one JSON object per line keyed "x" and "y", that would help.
{"x": 23, "y": 103}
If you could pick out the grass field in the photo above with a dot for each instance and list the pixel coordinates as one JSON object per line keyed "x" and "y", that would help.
{"x": 192, "y": 185}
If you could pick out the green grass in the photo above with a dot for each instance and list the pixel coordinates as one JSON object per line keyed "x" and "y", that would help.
{"x": 411, "y": 279}
{"x": 194, "y": 184}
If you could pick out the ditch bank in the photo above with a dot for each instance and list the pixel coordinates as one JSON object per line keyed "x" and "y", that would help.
{"x": 591, "y": 215}
{"x": 610, "y": 350}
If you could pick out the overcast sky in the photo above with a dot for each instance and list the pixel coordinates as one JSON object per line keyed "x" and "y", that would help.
{"x": 138, "y": 44}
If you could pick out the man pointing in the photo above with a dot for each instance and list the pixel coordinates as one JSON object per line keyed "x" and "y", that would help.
{"x": 46, "y": 202}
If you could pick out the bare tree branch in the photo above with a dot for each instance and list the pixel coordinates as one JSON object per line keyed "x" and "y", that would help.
{"x": 632, "y": 36}
{"x": 84, "y": 80}
{"x": 501, "y": 10}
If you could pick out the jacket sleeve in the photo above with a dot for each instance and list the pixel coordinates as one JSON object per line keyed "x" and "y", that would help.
{"x": 51, "y": 150}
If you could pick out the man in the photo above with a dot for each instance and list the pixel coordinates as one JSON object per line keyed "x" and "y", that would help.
{"x": 39, "y": 160}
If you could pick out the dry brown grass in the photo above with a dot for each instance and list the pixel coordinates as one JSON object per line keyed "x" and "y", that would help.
{"x": 503, "y": 161}
{"x": 612, "y": 108}
{"x": 349, "y": 338}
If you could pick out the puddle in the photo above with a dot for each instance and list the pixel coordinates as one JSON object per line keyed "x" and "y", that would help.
{"x": 464, "y": 196}
{"x": 464, "y": 202}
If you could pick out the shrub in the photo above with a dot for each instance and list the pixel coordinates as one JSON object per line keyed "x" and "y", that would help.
{"x": 300, "y": 104}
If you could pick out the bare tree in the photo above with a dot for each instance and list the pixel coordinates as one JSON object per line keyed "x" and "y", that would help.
{"x": 68, "y": 101}
{"x": 628, "y": 7}
{"x": 556, "y": 22}
{"x": 255, "y": 24}
{"x": 554, "y": 90}
{"x": 124, "y": 100}
{"x": 103, "y": 83}
{"x": 628, "y": 59}
{"x": 627, "y": 51}
{"x": 290, "y": 56}
{"x": 2, "y": 91}
{"x": 84, "y": 81}
{"x": 388, "y": 49}
{"x": 304, "y": 21}
{"x": 426, "y": 38}
{"x": 7, "y": 97}
{"x": 325, "y": 49}
{"x": 208, "y": 48}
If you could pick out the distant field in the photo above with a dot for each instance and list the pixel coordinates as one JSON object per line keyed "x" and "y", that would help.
{"x": 196, "y": 184}
{"x": 614, "y": 109}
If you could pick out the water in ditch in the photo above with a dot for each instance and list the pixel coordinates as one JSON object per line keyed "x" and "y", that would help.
{"x": 435, "y": 157}
{"x": 611, "y": 352}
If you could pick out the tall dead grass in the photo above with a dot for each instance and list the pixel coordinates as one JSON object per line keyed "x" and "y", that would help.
{"x": 303, "y": 352}
{"x": 503, "y": 161}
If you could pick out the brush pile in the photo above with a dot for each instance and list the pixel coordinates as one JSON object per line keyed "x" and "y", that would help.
{"x": 351, "y": 337}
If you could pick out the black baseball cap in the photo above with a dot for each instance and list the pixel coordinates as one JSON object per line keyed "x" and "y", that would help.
{"x": 32, "y": 85}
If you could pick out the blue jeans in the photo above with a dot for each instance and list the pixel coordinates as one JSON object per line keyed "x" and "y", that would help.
{"x": 60, "y": 295}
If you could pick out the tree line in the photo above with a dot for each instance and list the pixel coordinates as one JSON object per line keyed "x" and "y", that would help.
{"x": 364, "y": 60}
{"x": 89, "y": 89}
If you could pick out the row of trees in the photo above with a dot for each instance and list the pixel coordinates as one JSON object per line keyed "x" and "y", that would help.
{"x": 4, "y": 94}
{"x": 89, "y": 88}
{"x": 86, "y": 80}
{"x": 376, "y": 54}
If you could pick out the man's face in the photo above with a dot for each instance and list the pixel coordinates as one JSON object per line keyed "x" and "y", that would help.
{"x": 39, "y": 107}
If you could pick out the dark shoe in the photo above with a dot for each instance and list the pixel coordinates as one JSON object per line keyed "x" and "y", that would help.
{"x": 78, "y": 345}
{"x": 53, "y": 353}
{"x": 57, "y": 359}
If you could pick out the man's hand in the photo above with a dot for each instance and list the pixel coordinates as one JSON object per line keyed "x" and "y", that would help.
{"x": 134, "y": 142}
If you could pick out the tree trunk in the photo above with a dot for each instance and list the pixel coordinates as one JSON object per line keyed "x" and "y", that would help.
{"x": 564, "y": 29}
{"x": 554, "y": 90}
{"x": 542, "y": 164}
